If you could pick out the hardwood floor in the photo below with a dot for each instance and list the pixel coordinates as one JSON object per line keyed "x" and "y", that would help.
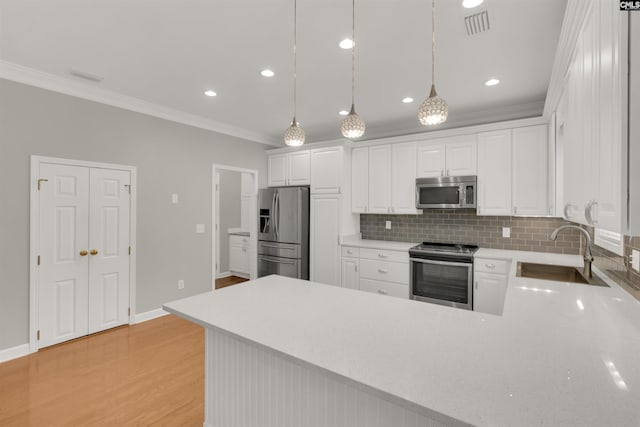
{"x": 140, "y": 375}
{"x": 229, "y": 281}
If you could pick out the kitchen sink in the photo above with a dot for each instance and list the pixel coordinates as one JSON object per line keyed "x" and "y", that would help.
{"x": 558, "y": 273}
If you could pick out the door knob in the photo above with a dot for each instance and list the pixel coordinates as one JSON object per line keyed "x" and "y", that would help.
{"x": 93, "y": 252}
{"x": 83, "y": 253}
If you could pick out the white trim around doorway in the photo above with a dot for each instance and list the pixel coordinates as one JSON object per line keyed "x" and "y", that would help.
{"x": 34, "y": 233}
{"x": 215, "y": 213}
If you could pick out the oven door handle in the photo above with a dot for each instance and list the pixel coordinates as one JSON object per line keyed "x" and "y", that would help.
{"x": 428, "y": 261}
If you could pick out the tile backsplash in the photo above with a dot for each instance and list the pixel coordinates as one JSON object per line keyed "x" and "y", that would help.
{"x": 527, "y": 234}
{"x": 464, "y": 226}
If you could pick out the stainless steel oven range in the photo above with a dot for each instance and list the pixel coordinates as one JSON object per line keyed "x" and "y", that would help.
{"x": 442, "y": 273}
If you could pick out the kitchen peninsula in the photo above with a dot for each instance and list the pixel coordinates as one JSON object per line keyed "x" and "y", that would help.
{"x": 283, "y": 351}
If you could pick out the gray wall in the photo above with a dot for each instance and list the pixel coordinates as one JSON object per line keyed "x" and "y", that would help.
{"x": 230, "y": 215}
{"x": 170, "y": 157}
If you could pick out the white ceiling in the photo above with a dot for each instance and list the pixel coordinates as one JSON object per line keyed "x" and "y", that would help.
{"x": 169, "y": 51}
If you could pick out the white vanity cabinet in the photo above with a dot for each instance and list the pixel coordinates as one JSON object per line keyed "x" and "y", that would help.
{"x": 289, "y": 169}
{"x": 490, "y": 277}
{"x": 239, "y": 254}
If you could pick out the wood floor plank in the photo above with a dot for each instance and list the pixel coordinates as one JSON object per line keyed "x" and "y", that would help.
{"x": 139, "y": 375}
{"x": 229, "y": 281}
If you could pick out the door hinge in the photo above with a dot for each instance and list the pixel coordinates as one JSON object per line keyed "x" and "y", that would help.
{"x": 128, "y": 186}
{"x": 40, "y": 181}
{"x": 129, "y": 250}
{"x": 129, "y": 312}
{"x": 38, "y": 335}
{"x": 38, "y": 259}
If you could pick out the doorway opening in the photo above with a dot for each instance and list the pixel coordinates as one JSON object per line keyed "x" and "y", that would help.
{"x": 234, "y": 225}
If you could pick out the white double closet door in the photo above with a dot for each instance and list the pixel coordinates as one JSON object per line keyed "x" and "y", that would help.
{"x": 84, "y": 230}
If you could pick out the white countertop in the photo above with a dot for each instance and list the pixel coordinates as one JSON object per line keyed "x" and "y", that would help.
{"x": 560, "y": 355}
{"x": 356, "y": 241}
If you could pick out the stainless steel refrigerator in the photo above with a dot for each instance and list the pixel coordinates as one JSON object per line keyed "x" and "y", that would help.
{"x": 283, "y": 232}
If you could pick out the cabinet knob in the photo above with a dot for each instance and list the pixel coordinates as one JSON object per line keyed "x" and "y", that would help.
{"x": 349, "y": 251}
{"x": 490, "y": 265}
{"x": 383, "y": 271}
{"x": 381, "y": 255}
{"x": 382, "y": 292}
{"x": 94, "y": 252}
{"x": 83, "y": 252}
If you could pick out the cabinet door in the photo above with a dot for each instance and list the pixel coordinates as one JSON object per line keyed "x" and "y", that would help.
{"x": 431, "y": 159}
{"x": 326, "y": 170}
{"x": 277, "y": 170}
{"x": 530, "y": 171}
{"x": 299, "y": 168}
{"x": 380, "y": 179}
{"x": 489, "y": 292}
{"x": 324, "y": 230}
{"x": 238, "y": 259}
{"x": 403, "y": 178}
{"x": 350, "y": 274}
{"x": 461, "y": 153}
{"x": 494, "y": 173}
{"x": 360, "y": 180}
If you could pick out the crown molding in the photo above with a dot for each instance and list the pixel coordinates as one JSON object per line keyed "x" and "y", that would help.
{"x": 574, "y": 16}
{"x": 32, "y": 77}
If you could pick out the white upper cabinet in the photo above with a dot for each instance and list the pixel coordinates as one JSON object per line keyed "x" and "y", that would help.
{"x": 380, "y": 179}
{"x": 530, "y": 173}
{"x": 451, "y": 156}
{"x": 403, "y": 178}
{"x": 431, "y": 159}
{"x": 277, "y": 170}
{"x": 494, "y": 173}
{"x": 326, "y": 170}
{"x": 299, "y": 168}
{"x": 289, "y": 169}
{"x": 360, "y": 180}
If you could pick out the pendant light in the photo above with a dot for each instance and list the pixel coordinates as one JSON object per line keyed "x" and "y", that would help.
{"x": 433, "y": 110}
{"x": 353, "y": 126}
{"x": 294, "y": 135}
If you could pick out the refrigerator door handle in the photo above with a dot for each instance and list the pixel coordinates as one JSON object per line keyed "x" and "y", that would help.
{"x": 276, "y": 261}
{"x": 272, "y": 215}
{"x": 276, "y": 220}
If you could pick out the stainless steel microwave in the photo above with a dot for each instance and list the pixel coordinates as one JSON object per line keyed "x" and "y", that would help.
{"x": 446, "y": 192}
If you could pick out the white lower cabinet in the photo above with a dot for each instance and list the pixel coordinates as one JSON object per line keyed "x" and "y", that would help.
{"x": 381, "y": 271}
{"x": 350, "y": 273}
{"x": 489, "y": 285}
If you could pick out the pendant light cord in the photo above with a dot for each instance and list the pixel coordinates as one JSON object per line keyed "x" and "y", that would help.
{"x": 353, "y": 52}
{"x": 295, "y": 63}
{"x": 433, "y": 42}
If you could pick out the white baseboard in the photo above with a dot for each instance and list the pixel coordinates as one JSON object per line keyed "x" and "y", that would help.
{"x": 149, "y": 315}
{"x": 14, "y": 352}
{"x": 238, "y": 274}
{"x": 223, "y": 275}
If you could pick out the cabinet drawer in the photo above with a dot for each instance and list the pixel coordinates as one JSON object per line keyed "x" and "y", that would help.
{"x": 385, "y": 271}
{"x": 384, "y": 288}
{"x": 235, "y": 240}
{"x": 350, "y": 251}
{"x": 384, "y": 255}
{"x": 496, "y": 266}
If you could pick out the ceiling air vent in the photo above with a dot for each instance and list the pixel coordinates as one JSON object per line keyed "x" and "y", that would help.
{"x": 477, "y": 23}
{"x": 86, "y": 76}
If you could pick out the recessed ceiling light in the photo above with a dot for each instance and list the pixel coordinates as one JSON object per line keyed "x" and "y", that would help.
{"x": 343, "y": 112}
{"x": 407, "y": 100}
{"x": 210, "y": 93}
{"x": 346, "y": 44}
{"x": 492, "y": 82}
{"x": 267, "y": 73}
{"x": 469, "y": 4}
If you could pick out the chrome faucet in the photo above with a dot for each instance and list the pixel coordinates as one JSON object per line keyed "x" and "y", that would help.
{"x": 588, "y": 258}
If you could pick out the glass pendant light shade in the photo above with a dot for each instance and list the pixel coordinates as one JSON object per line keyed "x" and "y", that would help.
{"x": 352, "y": 126}
{"x": 294, "y": 135}
{"x": 433, "y": 110}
